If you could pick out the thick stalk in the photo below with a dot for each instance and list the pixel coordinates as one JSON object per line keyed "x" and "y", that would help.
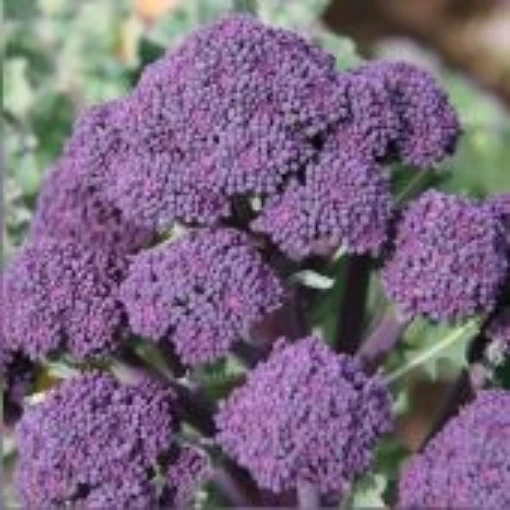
{"x": 308, "y": 496}
{"x": 235, "y": 492}
{"x": 469, "y": 329}
{"x": 352, "y": 308}
{"x": 239, "y": 484}
{"x": 386, "y": 334}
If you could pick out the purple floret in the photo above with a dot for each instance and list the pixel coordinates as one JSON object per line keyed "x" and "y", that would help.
{"x": 200, "y": 292}
{"x": 467, "y": 465}
{"x": 344, "y": 202}
{"x": 157, "y": 190}
{"x": 94, "y": 441}
{"x": 71, "y": 205}
{"x": 429, "y": 126}
{"x": 306, "y": 414}
{"x": 449, "y": 259}
{"x": 63, "y": 294}
{"x": 96, "y": 140}
{"x": 190, "y": 469}
{"x": 234, "y": 109}
{"x": 233, "y": 71}
{"x": 373, "y": 125}
{"x": 499, "y": 204}
{"x": 126, "y": 493}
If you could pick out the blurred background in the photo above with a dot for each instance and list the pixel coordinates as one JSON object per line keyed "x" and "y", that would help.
{"x": 63, "y": 55}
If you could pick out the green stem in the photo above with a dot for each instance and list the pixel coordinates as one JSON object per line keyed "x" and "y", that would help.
{"x": 414, "y": 185}
{"x": 352, "y": 308}
{"x": 469, "y": 328}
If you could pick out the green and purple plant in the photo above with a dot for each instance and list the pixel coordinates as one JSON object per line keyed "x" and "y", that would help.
{"x": 187, "y": 224}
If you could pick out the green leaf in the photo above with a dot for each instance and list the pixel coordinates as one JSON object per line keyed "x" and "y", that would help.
{"x": 18, "y": 93}
{"x": 368, "y": 492}
{"x": 59, "y": 108}
{"x": 343, "y": 48}
{"x": 435, "y": 349}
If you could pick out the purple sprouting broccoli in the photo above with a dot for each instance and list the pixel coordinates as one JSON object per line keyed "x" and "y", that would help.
{"x": 449, "y": 258}
{"x": 72, "y": 205}
{"x": 373, "y": 125}
{"x": 96, "y": 443}
{"x": 236, "y": 108}
{"x": 63, "y": 295}
{"x": 201, "y": 292}
{"x": 467, "y": 465}
{"x": 190, "y": 468}
{"x": 396, "y": 110}
{"x": 429, "y": 126}
{"x": 500, "y": 206}
{"x": 237, "y": 72}
{"x": 343, "y": 202}
{"x": 96, "y": 140}
{"x": 306, "y": 414}
{"x": 156, "y": 190}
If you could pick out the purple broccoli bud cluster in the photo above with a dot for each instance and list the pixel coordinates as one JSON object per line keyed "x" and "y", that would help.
{"x": 402, "y": 112}
{"x": 201, "y": 292}
{"x": 500, "y": 206}
{"x": 467, "y": 465}
{"x": 61, "y": 294}
{"x": 449, "y": 260}
{"x": 240, "y": 108}
{"x": 95, "y": 443}
{"x": 155, "y": 190}
{"x": 232, "y": 110}
{"x": 306, "y": 414}
{"x": 344, "y": 202}
{"x": 190, "y": 469}
{"x": 72, "y": 206}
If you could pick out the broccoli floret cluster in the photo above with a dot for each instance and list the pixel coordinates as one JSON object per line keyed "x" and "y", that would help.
{"x": 201, "y": 292}
{"x": 71, "y": 205}
{"x": 343, "y": 202}
{"x": 242, "y": 109}
{"x": 96, "y": 443}
{"x": 62, "y": 294}
{"x": 306, "y": 414}
{"x": 72, "y": 202}
{"x": 500, "y": 206}
{"x": 248, "y": 137}
{"x": 400, "y": 112}
{"x": 449, "y": 259}
{"x": 189, "y": 469}
{"x": 467, "y": 465}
